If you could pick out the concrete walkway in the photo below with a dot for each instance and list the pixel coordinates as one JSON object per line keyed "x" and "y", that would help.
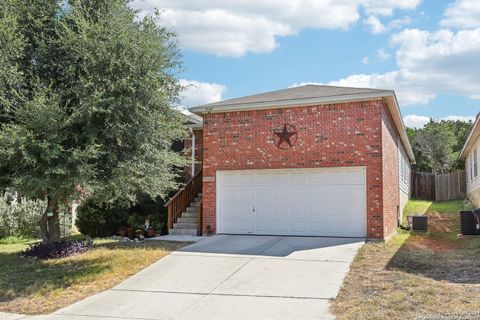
{"x": 230, "y": 277}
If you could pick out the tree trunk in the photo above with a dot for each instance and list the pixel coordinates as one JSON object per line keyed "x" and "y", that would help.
{"x": 50, "y": 226}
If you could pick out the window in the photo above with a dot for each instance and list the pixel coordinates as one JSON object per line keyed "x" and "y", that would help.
{"x": 475, "y": 166}
{"x": 470, "y": 166}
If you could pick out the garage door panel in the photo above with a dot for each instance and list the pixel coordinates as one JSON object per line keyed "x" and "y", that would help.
{"x": 280, "y": 194}
{"x": 246, "y": 227}
{"x": 298, "y": 228}
{"x": 298, "y": 194}
{"x": 263, "y": 179}
{"x": 335, "y": 177}
{"x": 263, "y": 193}
{"x": 297, "y": 211}
{"x": 263, "y": 227}
{"x": 298, "y": 178}
{"x": 322, "y": 202}
{"x": 241, "y": 210}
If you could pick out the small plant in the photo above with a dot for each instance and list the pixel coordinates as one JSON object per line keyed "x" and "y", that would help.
{"x": 60, "y": 249}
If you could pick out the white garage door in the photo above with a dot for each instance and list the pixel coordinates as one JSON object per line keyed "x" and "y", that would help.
{"x": 314, "y": 202}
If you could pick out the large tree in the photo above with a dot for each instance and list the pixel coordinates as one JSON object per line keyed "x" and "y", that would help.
{"x": 438, "y": 144}
{"x": 86, "y": 95}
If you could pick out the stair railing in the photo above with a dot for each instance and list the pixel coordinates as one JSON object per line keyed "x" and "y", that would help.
{"x": 200, "y": 217}
{"x": 182, "y": 199}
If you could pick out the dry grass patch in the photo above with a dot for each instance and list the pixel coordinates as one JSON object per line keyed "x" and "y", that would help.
{"x": 31, "y": 286}
{"x": 414, "y": 274}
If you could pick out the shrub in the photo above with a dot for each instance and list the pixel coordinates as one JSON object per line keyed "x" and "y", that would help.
{"x": 98, "y": 220}
{"x": 15, "y": 240}
{"x": 60, "y": 249}
{"x": 20, "y": 217}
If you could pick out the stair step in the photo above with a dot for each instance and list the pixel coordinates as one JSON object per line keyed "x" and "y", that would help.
{"x": 197, "y": 199}
{"x": 190, "y": 214}
{"x": 194, "y": 204}
{"x": 187, "y": 220}
{"x": 183, "y": 225}
{"x": 183, "y": 232}
{"x": 192, "y": 209}
{"x": 200, "y": 195}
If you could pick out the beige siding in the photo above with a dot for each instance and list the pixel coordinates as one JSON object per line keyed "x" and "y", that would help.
{"x": 404, "y": 177}
{"x": 472, "y": 168}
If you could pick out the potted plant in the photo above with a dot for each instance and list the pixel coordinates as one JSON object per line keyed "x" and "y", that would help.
{"x": 122, "y": 231}
{"x": 150, "y": 232}
{"x": 131, "y": 232}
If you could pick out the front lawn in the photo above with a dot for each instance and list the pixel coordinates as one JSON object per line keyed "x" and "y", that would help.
{"x": 415, "y": 274}
{"x": 31, "y": 286}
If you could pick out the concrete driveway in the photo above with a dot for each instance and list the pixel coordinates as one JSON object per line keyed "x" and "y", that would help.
{"x": 230, "y": 277}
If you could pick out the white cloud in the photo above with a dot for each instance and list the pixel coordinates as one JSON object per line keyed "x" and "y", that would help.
{"x": 236, "y": 27}
{"x": 407, "y": 93}
{"x": 365, "y": 60}
{"x": 462, "y": 14}
{"x": 197, "y": 93}
{"x": 375, "y": 25}
{"x": 386, "y": 7}
{"x": 399, "y": 23}
{"x": 382, "y": 54}
{"x": 415, "y": 121}
{"x": 428, "y": 63}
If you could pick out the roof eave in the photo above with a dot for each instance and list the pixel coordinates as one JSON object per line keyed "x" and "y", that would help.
{"x": 217, "y": 108}
{"x": 471, "y": 139}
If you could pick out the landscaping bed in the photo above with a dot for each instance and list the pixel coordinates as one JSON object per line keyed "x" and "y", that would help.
{"x": 415, "y": 274}
{"x": 33, "y": 286}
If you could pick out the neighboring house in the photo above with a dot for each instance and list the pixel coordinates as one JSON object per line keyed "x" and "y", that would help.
{"x": 470, "y": 154}
{"x": 310, "y": 160}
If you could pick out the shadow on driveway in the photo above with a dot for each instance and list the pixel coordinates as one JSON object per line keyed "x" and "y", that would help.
{"x": 314, "y": 248}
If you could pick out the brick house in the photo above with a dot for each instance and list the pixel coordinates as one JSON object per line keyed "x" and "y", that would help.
{"x": 310, "y": 160}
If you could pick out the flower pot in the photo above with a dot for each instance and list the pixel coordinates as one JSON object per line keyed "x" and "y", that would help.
{"x": 150, "y": 233}
{"x": 122, "y": 232}
{"x": 131, "y": 233}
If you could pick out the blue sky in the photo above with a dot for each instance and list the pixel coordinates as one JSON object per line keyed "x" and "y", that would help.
{"x": 427, "y": 51}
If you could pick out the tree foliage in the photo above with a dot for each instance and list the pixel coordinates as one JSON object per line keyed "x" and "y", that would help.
{"x": 86, "y": 90}
{"x": 438, "y": 144}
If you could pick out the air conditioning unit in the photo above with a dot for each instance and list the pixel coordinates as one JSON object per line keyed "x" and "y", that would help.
{"x": 470, "y": 222}
{"x": 417, "y": 223}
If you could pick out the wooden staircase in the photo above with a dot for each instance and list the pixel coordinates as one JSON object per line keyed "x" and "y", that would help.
{"x": 185, "y": 208}
{"x": 187, "y": 224}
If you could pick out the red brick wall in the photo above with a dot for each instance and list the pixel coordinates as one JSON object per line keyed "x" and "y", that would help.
{"x": 198, "y": 151}
{"x": 346, "y": 134}
{"x": 391, "y": 195}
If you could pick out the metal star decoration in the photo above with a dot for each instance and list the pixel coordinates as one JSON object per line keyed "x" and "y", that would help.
{"x": 285, "y": 136}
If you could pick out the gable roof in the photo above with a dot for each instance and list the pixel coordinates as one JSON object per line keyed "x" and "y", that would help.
{"x": 472, "y": 138}
{"x": 313, "y": 95}
{"x": 292, "y": 96}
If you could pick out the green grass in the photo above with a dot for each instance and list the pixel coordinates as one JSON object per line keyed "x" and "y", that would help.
{"x": 424, "y": 206}
{"x": 31, "y": 286}
{"x": 15, "y": 240}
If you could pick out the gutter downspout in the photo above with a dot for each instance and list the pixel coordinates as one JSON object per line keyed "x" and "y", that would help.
{"x": 193, "y": 151}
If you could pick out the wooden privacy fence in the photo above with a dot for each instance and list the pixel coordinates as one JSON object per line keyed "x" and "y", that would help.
{"x": 440, "y": 187}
